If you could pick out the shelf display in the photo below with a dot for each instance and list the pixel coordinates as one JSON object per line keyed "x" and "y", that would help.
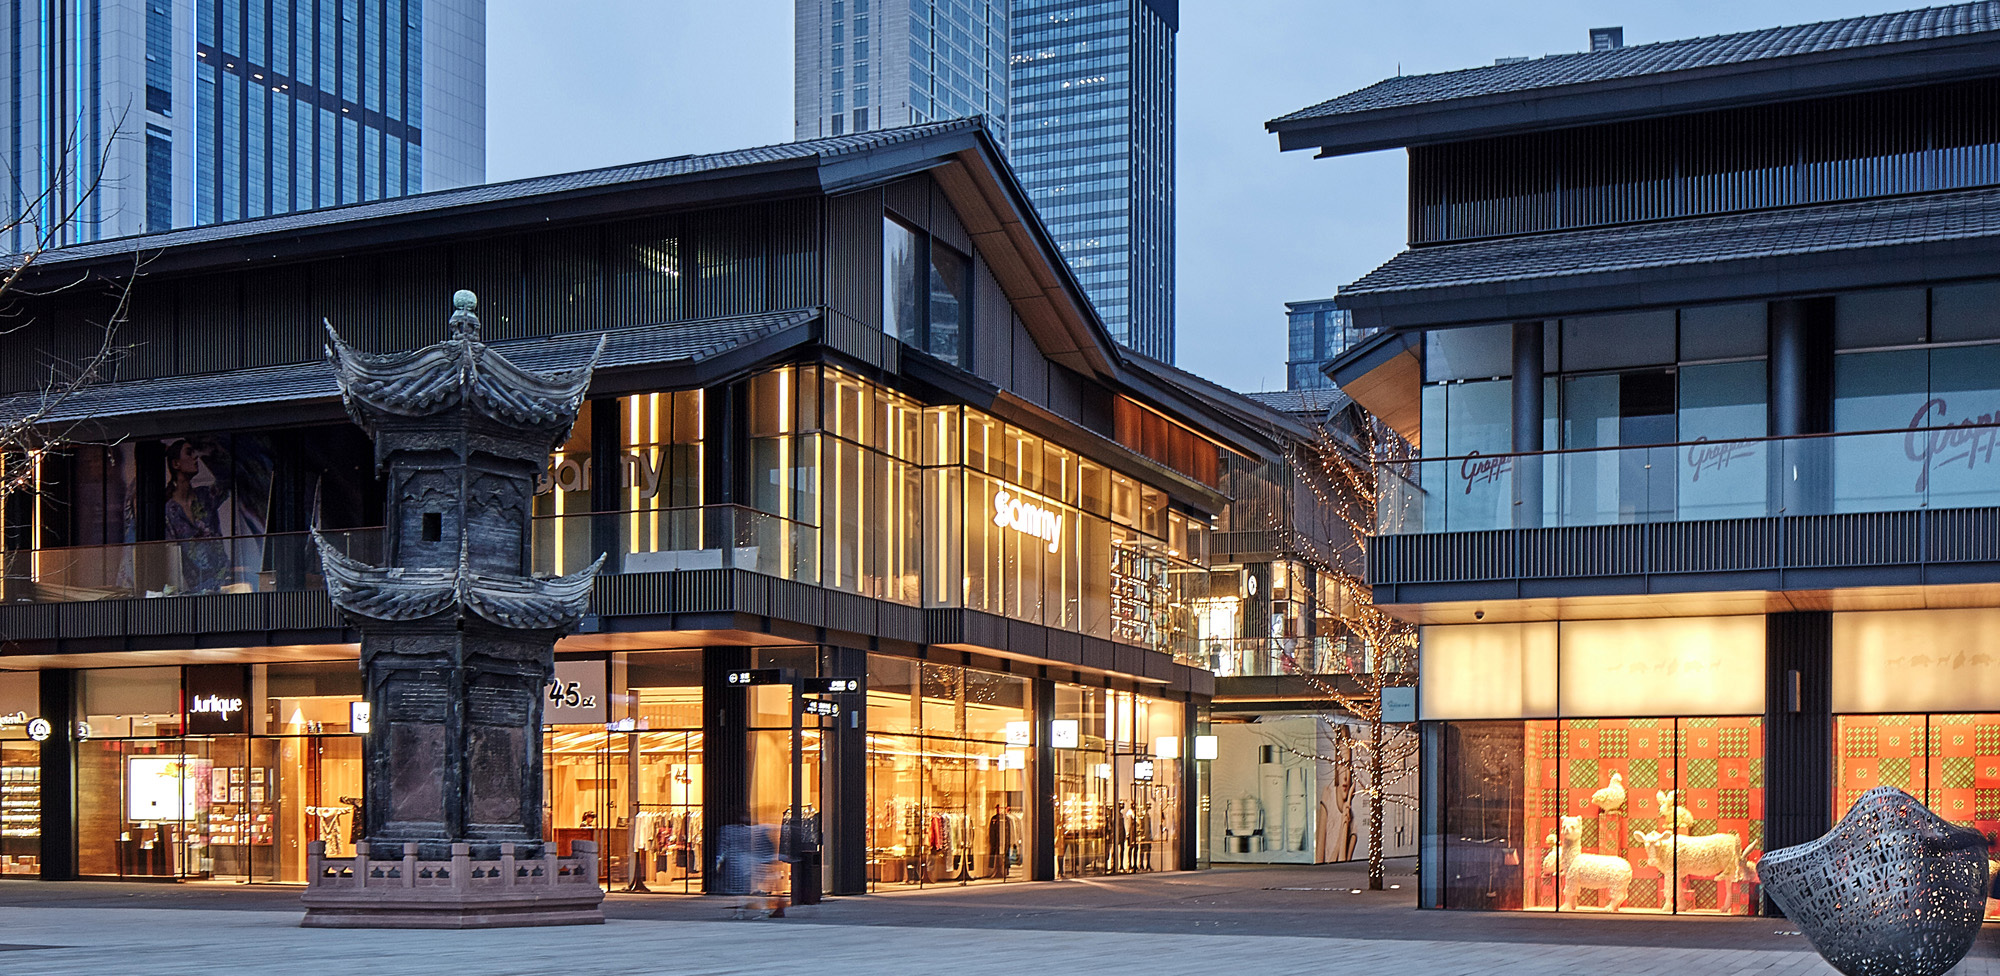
{"x": 20, "y": 810}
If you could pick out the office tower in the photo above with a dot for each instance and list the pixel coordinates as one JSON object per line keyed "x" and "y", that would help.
{"x": 874, "y": 64}
{"x": 1093, "y": 141}
{"x": 165, "y": 113}
{"x": 1318, "y": 330}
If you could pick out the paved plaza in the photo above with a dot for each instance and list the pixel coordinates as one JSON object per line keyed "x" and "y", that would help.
{"x": 1250, "y": 921}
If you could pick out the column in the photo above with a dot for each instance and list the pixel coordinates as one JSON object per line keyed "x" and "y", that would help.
{"x": 1801, "y": 402}
{"x": 59, "y": 776}
{"x": 607, "y": 477}
{"x": 1798, "y": 729}
{"x": 1528, "y": 406}
{"x": 844, "y": 816}
{"x": 1043, "y": 866}
{"x": 725, "y": 746}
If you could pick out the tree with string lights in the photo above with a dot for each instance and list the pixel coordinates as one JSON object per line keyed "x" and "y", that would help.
{"x": 1344, "y": 469}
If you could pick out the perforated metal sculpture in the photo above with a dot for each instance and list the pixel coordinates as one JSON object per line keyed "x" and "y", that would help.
{"x": 1892, "y": 890}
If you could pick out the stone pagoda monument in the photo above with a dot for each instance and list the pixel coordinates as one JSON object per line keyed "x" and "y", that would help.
{"x": 458, "y": 645}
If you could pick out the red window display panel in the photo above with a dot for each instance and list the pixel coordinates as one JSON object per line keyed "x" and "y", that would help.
{"x": 1664, "y": 815}
{"x": 1950, "y": 762}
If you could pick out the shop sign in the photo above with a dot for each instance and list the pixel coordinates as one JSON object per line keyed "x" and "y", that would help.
{"x": 571, "y": 472}
{"x": 13, "y": 720}
{"x": 39, "y": 729}
{"x": 579, "y": 694}
{"x": 1399, "y": 703}
{"x": 1142, "y": 771}
{"x": 1064, "y": 734}
{"x": 1020, "y": 734}
{"x": 360, "y": 718}
{"x": 826, "y": 709}
{"x": 1204, "y": 747}
{"x": 216, "y": 699}
{"x": 1167, "y": 747}
{"x": 1027, "y": 517}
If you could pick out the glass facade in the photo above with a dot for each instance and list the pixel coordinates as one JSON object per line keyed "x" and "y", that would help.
{"x": 1663, "y": 416}
{"x": 1092, "y": 137}
{"x": 950, "y": 774}
{"x": 1118, "y": 789}
{"x": 1316, "y": 332}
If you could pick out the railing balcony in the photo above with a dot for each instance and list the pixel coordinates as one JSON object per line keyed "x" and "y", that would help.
{"x": 1261, "y": 657}
{"x": 707, "y": 537}
{"x": 1876, "y": 471}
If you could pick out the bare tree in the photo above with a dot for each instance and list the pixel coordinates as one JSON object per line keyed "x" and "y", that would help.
{"x": 35, "y": 422}
{"x": 1343, "y": 470}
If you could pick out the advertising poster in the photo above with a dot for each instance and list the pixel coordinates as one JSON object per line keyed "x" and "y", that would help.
{"x": 1291, "y": 789}
{"x": 166, "y": 788}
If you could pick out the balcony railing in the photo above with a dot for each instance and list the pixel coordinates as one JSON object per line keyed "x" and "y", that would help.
{"x": 708, "y": 537}
{"x": 1875, "y": 471}
{"x": 1259, "y": 657}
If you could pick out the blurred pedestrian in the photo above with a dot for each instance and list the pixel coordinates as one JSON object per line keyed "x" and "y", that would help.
{"x": 747, "y": 864}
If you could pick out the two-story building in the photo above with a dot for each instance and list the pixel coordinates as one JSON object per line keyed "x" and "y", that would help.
{"x": 1700, "y": 341}
{"x": 854, "y": 418}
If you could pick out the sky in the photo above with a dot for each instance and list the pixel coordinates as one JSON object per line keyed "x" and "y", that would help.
{"x": 617, "y": 81}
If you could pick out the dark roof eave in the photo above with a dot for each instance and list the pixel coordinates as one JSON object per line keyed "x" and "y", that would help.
{"x": 1644, "y": 96}
{"x": 1367, "y": 356}
{"x": 1676, "y": 285}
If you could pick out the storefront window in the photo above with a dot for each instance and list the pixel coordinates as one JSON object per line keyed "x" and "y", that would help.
{"x": 949, "y": 774}
{"x": 1118, "y": 794}
{"x": 20, "y": 774}
{"x": 1949, "y": 762}
{"x": 1635, "y": 815}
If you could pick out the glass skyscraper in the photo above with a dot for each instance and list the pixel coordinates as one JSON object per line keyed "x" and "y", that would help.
{"x": 201, "y": 111}
{"x": 1318, "y": 331}
{"x": 1093, "y": 140}
{"x": 873, "y": 64}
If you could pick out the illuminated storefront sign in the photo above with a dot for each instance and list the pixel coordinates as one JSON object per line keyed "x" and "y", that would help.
{"x": 1029, "y": 518}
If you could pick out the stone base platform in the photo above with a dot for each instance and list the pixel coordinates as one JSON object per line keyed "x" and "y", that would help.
{"x": 461, "y": 893}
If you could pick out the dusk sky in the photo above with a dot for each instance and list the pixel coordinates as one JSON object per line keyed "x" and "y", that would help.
{"x": 615, "y": 81}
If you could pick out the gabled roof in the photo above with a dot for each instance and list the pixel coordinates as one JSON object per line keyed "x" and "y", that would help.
{"x": 313, "y": 382}
{"x": 1779, "y": 63}
{"x": 1804, "y": 250}
{"x": 810, "y": 153}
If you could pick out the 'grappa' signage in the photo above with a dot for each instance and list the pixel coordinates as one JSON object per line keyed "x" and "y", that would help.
{"x": 1027, "y": 517}
{"x": 1934, "y": 441}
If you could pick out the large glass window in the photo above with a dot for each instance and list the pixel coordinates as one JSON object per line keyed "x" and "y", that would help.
{"x": 1118, "y": 786}
{"x": 1949, "y": 762}
{"x": 949, "y": 774}
{"x": 926, "y": 290}
{"x": 1635, "y": 815}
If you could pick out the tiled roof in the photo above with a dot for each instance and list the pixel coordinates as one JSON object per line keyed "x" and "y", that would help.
{"x": 1316, "y": 402}
{"x": 1558, "y": 70}
{"x": 659, "y": 169}
{"x": 1931, "y": 218}
{"x": 306, "y": 382}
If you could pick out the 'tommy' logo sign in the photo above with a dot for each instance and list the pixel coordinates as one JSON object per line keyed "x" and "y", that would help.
{"x": 1013, "y": 512}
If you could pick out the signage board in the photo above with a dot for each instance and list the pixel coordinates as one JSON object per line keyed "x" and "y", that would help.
{"x": 217, "y": 698}
{"x": 1020, "y": 734}
{"x": 579, "y": 694}
{"x": 1142, "y": 771}
{"x": 1205, "y": 747}
{"x": 40, "y": 729}
{"x": 814, "y": 706}
{"x": 1399, "y": 703}
{"x": 829, "y": 686}
{"x": 360, "y": 718}
{"x": 1064, "y": 734}
{"x": 757, "y": 676}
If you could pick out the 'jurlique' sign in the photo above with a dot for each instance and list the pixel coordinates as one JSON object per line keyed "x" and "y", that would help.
{"x": 1013, "y": 512}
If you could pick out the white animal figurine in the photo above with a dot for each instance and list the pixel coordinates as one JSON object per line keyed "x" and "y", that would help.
{"x": 1670, "y": 800}
{"x": 1604, "y": 872}
{"x": 1611, "y": 799}
{"x": 1717, "y": 856}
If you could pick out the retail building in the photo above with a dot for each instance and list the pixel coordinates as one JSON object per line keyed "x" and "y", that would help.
{"x": 854, "y": 418}
{"x": 1698, "y": 340}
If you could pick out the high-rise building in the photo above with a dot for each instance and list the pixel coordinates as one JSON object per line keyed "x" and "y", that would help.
{"x": 1093, "y": 140}
{"x": 863, "y": 65}
{"x": 165, "y": 113}
{"x": 1318, "y": 330}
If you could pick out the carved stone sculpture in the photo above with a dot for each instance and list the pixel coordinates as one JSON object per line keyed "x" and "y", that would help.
{"x": 458, "y": 636}
{"x": 1892, "y": 890}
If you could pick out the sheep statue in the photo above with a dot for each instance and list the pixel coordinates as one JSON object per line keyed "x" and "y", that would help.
{"x": 1604, "y": 872}
{"x": 1682, "y": 857}
{"x": 1891, "y": 890}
